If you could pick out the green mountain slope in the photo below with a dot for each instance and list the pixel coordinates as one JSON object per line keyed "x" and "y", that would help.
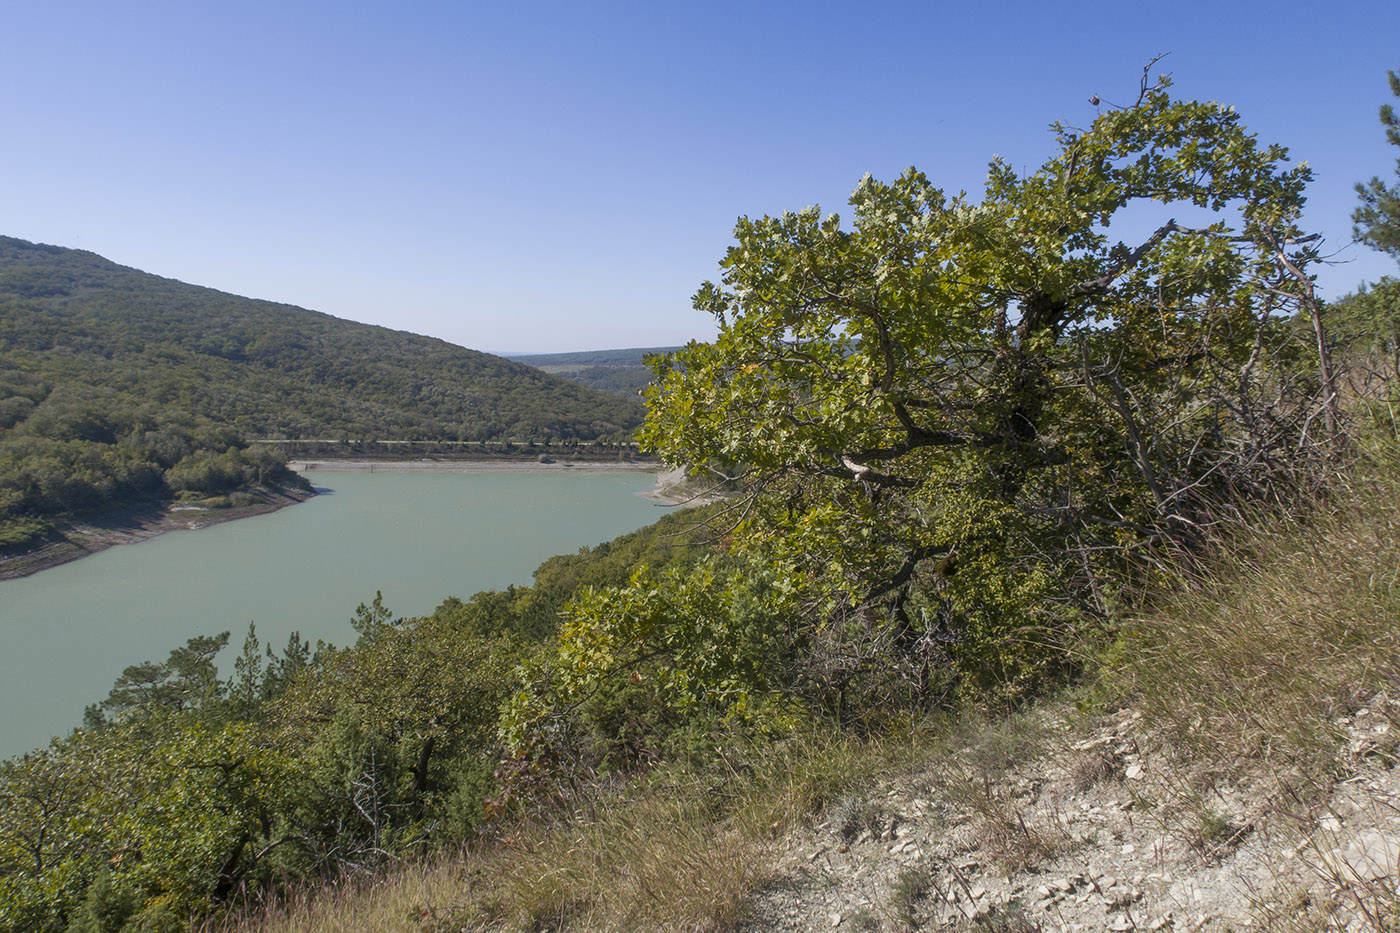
{"x": 120, "y": 388}
{"x": 268, "y": 369}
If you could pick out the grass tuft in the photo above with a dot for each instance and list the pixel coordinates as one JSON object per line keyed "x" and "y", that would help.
{"x": 1298, "y": 625}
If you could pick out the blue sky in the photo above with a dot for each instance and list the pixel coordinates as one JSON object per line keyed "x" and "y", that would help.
{"x": 540, "y": 176}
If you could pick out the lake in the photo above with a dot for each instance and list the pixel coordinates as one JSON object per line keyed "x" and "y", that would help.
{"x": 68, "y": 632}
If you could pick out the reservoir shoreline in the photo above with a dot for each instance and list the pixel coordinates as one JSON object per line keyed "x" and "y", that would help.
{"x": 131, "y": 526}
{"x": 134, "y": 525}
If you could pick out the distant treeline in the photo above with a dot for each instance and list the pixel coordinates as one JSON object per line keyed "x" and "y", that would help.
{"x": 623, "y": 373}
{"x": 633, "y": 356}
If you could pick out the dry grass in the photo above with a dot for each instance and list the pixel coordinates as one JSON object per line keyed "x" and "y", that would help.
{"x": 1299, "y": 626}
{"x": 683, "y": 855}
{"x": 1253, "y": 672}
{"x": 971, "y": 774}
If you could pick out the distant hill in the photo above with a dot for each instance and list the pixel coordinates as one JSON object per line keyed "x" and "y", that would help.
{"x": 269, "y": 369}
{"x": 619, "y": 372}
{"x": 119, "y": 387}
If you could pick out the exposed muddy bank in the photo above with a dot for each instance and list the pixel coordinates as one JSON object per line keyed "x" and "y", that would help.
{"x": 472, "y": 466}
{"x": 138, "y": 523}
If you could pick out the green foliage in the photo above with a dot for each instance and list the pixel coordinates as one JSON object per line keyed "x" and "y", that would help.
{"x": 532, "y": 613}
{"x": 18, "y": 534}
{"x": 965, "y": 421}
{"x": 188, "y": 680}
{"x": 71, "y": 318}
{"x": 392, "y": 735}
{"x": 159, "y": 815}
{"x": 106, "y": 907}
{"x": 1378, "y": 216}
{"x": 120, "y": 388}
{"x": 1368, "y": 320}
{"x": 634, "y": 663}
{"x": 373, "y": 620}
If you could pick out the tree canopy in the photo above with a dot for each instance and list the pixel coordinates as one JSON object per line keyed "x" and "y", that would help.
{"x": 960, "y": 412}
{"x": 1378, "y": 216}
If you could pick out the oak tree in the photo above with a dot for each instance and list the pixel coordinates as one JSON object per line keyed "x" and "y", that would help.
{"x": 961, "y": 413}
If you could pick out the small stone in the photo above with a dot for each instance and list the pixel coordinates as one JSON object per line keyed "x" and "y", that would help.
{"x": 1129, "y": 849}
{"x": 1134, "y": 772}
{"x": 836, "y": 920}
{"x": 977, "y": 893}
{"x": 1371, "y": 856}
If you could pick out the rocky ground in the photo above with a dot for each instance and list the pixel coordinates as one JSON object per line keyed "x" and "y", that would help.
{"x": 1057, "y": 824}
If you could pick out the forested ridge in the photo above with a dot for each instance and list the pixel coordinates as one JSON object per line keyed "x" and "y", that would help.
{"x": 622, "y": 372}
{"x": 117, "y": 386}
{"x": 268, "y": 369}
{"x": 969, "y": 444}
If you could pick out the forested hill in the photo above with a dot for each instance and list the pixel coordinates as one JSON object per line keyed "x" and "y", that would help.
{"x": 88, "y": 327}
{"x": 618, "y": 372}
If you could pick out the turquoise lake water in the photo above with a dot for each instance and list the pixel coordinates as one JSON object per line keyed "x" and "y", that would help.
{"x": 68, "y": 632}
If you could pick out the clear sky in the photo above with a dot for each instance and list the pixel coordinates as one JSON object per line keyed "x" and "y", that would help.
{"x": 549, "y": 176}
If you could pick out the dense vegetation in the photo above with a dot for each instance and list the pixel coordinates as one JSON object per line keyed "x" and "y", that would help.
{"x": 623, "y": 373}
{"x": 184, "y": 788}
{"x": 119, "y": 386}
{"x": 967, "y": 437}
